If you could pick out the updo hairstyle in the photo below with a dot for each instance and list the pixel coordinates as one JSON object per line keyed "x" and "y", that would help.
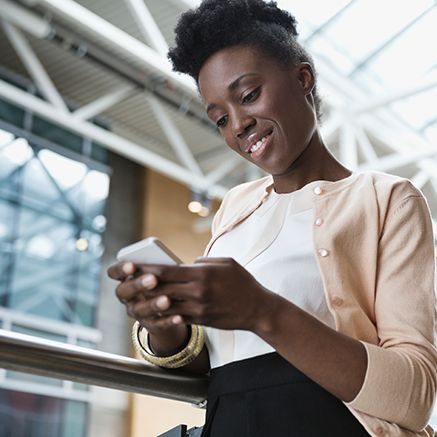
{"x": 218, "y": 24}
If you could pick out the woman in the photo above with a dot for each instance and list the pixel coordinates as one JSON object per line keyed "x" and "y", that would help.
{"x": 317, "y": 292}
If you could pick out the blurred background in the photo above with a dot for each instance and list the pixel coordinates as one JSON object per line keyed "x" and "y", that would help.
{"x": 101, "y": 144}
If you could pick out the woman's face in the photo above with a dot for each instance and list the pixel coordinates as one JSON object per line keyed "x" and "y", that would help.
{"x": 263, "y": 110}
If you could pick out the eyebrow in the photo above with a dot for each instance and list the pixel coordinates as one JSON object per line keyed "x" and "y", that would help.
{"x": 236, "y": 82}
{"x": 231, "y": 88}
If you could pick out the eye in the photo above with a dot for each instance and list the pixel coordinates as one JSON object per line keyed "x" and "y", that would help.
{"x": 251, "y": 96}
{"x": 222, "y": 122}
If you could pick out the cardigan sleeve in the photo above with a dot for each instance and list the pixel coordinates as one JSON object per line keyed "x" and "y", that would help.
{"x": 400, "y": 383}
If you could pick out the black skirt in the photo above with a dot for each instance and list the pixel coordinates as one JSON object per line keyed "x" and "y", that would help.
{"x": 268, "y": 396}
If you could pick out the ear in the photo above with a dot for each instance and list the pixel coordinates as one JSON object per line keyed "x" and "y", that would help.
{"x": 306, "y": 77}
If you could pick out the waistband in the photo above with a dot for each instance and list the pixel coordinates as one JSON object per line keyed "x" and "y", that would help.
{"x": 255, "y": 373}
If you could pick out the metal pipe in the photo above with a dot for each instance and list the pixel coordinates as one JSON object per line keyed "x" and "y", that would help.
{"x": 38, "y": 356}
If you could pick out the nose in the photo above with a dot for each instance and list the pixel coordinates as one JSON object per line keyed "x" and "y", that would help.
{"x": 241, "y": 122}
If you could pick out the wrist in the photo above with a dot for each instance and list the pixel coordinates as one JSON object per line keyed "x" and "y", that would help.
{"x": 194, "y": 347}
{"x": 170, "y": 341}
{"x": 268, "y": 319}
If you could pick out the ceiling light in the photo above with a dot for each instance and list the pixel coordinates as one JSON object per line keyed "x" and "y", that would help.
{"x": 200, "y": 204}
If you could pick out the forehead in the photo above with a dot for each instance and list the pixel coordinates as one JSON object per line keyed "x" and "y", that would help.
{"x": 227, "y": 65}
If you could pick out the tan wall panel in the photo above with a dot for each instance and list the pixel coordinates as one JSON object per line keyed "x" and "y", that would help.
{"x": 166, "y": 216}
{"x": 154, "y": 416}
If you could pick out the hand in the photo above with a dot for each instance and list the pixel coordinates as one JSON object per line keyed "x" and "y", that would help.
{"x": 214, "y": 292}
{"x": 168, "y": 338}
{"x": 133, "y": 289}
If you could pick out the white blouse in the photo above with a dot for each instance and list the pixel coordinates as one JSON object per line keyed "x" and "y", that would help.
{"x": 281, "y": 258}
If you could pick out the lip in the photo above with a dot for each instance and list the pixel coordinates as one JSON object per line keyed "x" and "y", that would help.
{"x": 253, "y": 139}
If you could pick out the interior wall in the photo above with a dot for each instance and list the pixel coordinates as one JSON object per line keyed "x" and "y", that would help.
{"x": 166, "y": 216}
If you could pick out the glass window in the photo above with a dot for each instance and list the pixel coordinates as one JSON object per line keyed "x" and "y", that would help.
{"x": 99, "y": 153}
{"x": 31, "y": 415}
{"x": 51, "y": 225}
{"x": 56, "y": 134}
{"x": 11, "y": 113}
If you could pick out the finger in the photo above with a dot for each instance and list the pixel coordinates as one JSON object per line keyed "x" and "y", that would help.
{"x": 181, "y": 312}
{"x": 150, "y": 308}
{"x": 120, "y": 271}
{"x": 162, "y": 307}
{"x": 132, "y": 287}
{"x": 177, "y": 292}
{"x": 174, "y": 273}
{"x": 161, "y": 323}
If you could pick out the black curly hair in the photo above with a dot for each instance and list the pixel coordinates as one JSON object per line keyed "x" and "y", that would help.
{"x": 218, "y": 24}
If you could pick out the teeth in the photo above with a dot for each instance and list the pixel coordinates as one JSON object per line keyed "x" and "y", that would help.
{"x": 259, "y": 143}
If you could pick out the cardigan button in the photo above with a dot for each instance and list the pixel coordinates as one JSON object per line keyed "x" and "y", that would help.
{"x": 317, "y": 190}
{"x": 337, "y": 301}
{"x": 319, "y": 222}
{"x": 323, "y": 253}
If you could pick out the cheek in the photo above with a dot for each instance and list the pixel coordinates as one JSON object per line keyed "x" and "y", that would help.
{"x": 231, "y": 142}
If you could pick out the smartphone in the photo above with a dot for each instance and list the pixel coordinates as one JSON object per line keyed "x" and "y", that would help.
{"x": 151, "y": 250}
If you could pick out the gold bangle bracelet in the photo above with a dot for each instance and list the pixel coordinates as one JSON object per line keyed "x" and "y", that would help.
{"x": 140, "y": 339}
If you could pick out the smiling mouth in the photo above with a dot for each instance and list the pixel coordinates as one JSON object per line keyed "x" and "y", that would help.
{"x": 259, "y": 143}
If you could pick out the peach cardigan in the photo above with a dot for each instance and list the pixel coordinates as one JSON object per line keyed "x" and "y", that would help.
{"x": 374, "y": 245}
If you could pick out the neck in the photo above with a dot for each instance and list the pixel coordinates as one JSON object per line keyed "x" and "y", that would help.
{"x": 314, "y": 164}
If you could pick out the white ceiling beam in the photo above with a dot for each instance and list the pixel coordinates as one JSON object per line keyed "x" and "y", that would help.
{"x": 24, "y": 19}
{"x": 397, "y": 135}
{"x": 434, "y": 226}
{"x": 185, "y": 4}
{"x": 253, "y": 172}
{"x": 103, "y": 103}
{"x": 385, "y": 99}
{"x": 348, "y": 147}
{"x": 420, "y": 179}
{"x": 351, "y": 92}
{"x": 434, "y": 186}
{"x": 331, "y": 126}
{"x": 34, "y": 66}
{"x": 412, "y": 137}
{"x": 397, "y": 160}
{"x": 338, "y": 83}
{"x": 394, "y": 133}
{"x": 147, "y": 26}
{"x": 365, "y": 144}
{"x": 117, "y": 40}
{"x": 223, "y": 169}
{"x": 106, "y": 138}
{"x": 174, "y": 137}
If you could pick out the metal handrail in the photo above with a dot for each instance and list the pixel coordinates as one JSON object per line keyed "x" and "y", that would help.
{"x": 38, "y": 356}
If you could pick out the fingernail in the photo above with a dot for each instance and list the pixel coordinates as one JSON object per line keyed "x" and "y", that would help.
{"x": 148, "y": 281}
{"x": 128, "y": 268}
{"x": 162, "y": 302}
{"x": 177, "y": 320}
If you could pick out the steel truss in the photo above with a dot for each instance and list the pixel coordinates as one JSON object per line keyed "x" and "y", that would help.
{"x": 362, "y": 130}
